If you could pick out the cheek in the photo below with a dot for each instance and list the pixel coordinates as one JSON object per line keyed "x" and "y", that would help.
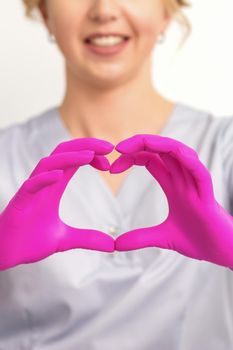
{"x": 145, "y": 20}
{"x": 149, "y": 27}
{"x": 148, "y": 31}
{"x": 68, "y": 32}
{"x": 64, "y": 25}
{"x": 65, "y": 21}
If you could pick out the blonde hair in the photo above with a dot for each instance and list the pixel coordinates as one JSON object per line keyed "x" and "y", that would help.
{"x": 172, "y": 7}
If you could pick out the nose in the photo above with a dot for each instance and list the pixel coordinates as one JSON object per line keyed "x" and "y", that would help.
{"x": 103, "y": 10}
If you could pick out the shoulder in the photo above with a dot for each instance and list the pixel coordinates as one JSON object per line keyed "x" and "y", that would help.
{"x": 22, "y": 131}
{"x": 204, "y": 120}
{"x": 191, "y": 112}
{"x": 35, "y": 137}
{"x": 22, "y": 145}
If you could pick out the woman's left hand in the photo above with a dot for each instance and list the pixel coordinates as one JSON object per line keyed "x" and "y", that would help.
{"x": 197, "y": 226}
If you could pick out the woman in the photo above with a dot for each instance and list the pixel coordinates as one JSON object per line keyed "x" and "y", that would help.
{"x": 107, "y": 298}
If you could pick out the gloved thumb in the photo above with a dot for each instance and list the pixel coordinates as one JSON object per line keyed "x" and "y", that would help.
{"x": 154, "y": 236}
{"x": 73, "y": 237}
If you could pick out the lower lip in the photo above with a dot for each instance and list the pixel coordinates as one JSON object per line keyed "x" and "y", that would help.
{"x": 107, "y": 50}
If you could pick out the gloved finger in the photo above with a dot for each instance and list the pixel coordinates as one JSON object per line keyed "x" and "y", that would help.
{"x": 158, "y": 144}
{"x": 139, "y": 143}
{"x": 155, "y": 166}
{"x": 63, "y": 161}
{"x": 121, "y": 164}
{"x": 85, "y": 239}
{"x": 125, "y": 161}
{"x": 99, "y": 146}
{"x": 162, "y": 145}
{"x": 200, "y": 174}
{"x": 203, "y": 180}
{"x": 159, "y": 171}
{"x": 131, "y": 145}
{"x": 172, "y": 152}
{"x": 165, "y": 144}
{"x": 42, "y": 180}
{"x": 154, "y": 236}
{"x": 167, "y": 148}
{"x": 189, "y": 159}
{"x": 152, "y": 162}
{"x": 100, "y": 163}
{"x": 23, "y": 196}
{"x": 151, "y": 142}
{"x": 179, "y": 175}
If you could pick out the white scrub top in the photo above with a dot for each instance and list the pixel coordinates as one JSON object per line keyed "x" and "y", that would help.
{"x": 147, "y": 299}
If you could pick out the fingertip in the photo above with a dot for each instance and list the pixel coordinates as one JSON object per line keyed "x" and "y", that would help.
{"x": 110, "y": 146}
{"x": 43, "y": 180}
{"x": 100, "y": 163}
{"x": 108, "y": 244}
{"x": 110, "y": 249}
{"x": 121, "y": 164}
{"x": 123, "y": 246}
{"x": 89, "y": 156}
{"x": 115, "y": 168}
{"x": 105, "y": 165}
{"x": 132, "y": 144}
{"x": 119, "y": 147}
{"x": 106, "y": 146}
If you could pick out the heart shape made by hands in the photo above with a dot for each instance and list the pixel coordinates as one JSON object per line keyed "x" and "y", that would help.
{"x": 197, "y": 226}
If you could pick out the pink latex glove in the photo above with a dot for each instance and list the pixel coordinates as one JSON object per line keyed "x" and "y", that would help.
{"x": 30, "y": 227}
{"x": 197, "y": 226}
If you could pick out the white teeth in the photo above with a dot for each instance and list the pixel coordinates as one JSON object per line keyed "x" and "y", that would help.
{"x": 107, "y": 40}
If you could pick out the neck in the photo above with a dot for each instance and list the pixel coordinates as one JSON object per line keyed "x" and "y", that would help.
{"x": 115, "y": 113}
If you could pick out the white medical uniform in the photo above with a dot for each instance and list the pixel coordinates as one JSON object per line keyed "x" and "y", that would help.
{"x": 147, "y": 299}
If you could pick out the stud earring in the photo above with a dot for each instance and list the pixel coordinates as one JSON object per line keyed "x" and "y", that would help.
{"x": 161, "y": 38}
{"x": 51, "y": 37}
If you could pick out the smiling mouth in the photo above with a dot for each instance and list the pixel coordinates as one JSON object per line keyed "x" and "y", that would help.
{"x": 107, "y": 50}
{"x": 125, "y": 38}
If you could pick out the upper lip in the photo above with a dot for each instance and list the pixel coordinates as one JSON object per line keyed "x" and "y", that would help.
{"x": 98, "y": 34}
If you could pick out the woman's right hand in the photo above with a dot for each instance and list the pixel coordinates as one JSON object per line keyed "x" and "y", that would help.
{"x": 30, "y": 227}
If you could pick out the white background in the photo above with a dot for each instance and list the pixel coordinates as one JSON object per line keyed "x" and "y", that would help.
{"x": 199, "y": 74}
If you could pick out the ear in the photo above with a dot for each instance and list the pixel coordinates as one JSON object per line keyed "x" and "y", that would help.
{"x": 166, "y": 22}
{"x": 167, "y": 17}
{"x": 42, "y": 7}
